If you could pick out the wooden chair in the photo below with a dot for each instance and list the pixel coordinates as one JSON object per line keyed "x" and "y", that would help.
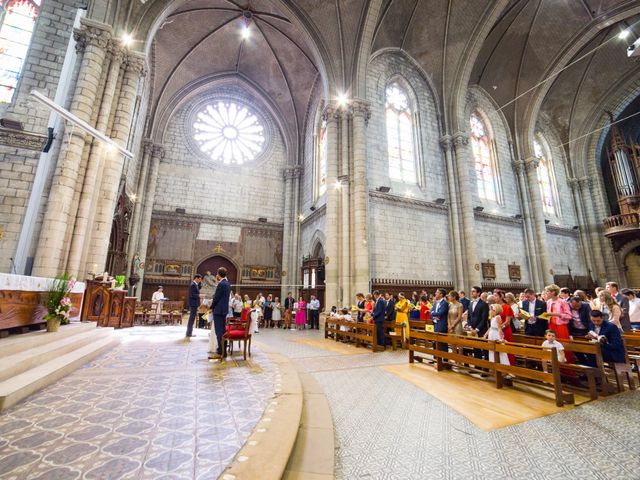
{"x": 238, "y": 331}
{"x": 143, "y": 308}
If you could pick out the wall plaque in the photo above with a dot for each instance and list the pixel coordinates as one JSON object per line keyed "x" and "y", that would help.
{"x": 489, "y": 271}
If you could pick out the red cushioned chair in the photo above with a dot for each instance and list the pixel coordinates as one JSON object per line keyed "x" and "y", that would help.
{"x": 238, "y": 331}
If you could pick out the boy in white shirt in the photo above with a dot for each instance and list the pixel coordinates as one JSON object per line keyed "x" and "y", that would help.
{"x": 551, "y": 342}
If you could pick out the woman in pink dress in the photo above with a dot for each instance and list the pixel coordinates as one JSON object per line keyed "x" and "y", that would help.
{"x": 301, "y": 313}
{"x": 560, "y": 315}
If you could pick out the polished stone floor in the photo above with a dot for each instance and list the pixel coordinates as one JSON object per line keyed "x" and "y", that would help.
{"x": 386, "y": 428}
{"x": 155, "y": 408}
{"x": 152, "y": 408}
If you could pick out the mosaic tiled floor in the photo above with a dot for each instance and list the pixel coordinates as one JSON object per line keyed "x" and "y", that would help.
{"x": 152, "y": 408}
{"x": 387, "y": 428}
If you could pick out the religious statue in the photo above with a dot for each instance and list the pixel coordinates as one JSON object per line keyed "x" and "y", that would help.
{"x": 209, "y": 285}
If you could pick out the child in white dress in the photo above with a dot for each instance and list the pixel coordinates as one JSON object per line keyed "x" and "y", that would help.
{"x": 495, "y": 332}
{"x": 255, "y": 319}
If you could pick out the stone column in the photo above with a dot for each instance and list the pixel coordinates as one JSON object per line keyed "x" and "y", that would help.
{"x": 345, "y": 247}
{"x": 574, "y": 183}
{"x": 465, "y": 185}
{"x": 295, "y": 250}
{"x": 147, "y": 148}
{"x": 92, "y": 38}
{"x": 134, "y": 69}
{"x": 525, "y": 206}
{"x": 601, "y": 209}
{"x": 287, "y": 235}
{"x": 361, "y": 275}
{"x": 95, "y": 167}
{"x": 157, "y": 154}
{"x": 331, "y": 116}
{"x": 539, "y": 252}
{"x": 593, "y": 228}
{"x": 446, "y": 144}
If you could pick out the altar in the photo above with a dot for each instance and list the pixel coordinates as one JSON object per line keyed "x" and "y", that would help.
{"x": 22, "y": 301}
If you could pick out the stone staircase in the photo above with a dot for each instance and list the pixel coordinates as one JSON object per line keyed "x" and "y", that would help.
{"x": 34, "y": 360}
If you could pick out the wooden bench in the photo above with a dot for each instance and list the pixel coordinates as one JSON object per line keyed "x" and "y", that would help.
{"x": 551, "y": 376}
{"x": 632, "y": 346}
{"x": 392, "y": 335}
{"x": 568, "y": 370}
{"x": 358, "y": 333}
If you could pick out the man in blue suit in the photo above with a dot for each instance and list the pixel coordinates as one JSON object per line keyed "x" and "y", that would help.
{"x": 194, "y": 302}
{"x": 534, "y": 307}
{"x": 439, "y": 314}
{"x": 220, "y": 309}
{"x": 608, "y": 335}
{"x": 378, "y": 317}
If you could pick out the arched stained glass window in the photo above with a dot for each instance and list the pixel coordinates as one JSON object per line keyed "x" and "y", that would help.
{"x": 546, "y": 178}
{"x": 321, "y": 160}
{"x": 484, "y": 159}
{"x": 229, "y": 133}
{"x": 17, "y": 20}
{"x": 400, "y": 137}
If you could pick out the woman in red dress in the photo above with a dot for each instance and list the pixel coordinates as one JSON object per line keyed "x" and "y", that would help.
{"x": 425, "y": 311}
{"x": 506, "y": 316}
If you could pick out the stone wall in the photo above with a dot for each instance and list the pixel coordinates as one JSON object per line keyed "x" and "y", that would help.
{"x": 189, "y": 180}
{"x": 41, "y": 71}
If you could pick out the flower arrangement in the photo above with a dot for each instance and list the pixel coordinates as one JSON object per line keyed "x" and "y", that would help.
{"x": 58, "y": 302}
{"x": 120, "y": 281}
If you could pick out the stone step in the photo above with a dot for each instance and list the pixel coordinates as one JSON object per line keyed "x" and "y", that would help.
{"x": 19, "y": 387}
{"x": 25, "y": 341}
{"x": 12, "y": 365}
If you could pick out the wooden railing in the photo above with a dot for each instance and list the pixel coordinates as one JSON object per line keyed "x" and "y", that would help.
{"x": 621, "y": 223}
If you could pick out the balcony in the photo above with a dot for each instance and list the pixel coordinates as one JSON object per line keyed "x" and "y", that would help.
{"x": 622, "y": 224}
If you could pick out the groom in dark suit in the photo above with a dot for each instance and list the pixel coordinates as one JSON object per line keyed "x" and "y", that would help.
{"x": 194, "y": 302}
{"x": 220, "y": 309}
{"x": 478, "y": 319}
{"x": 378, "y": 317}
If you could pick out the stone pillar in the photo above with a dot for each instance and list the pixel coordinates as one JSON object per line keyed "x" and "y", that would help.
{"x": 331, "y": 116}
{"x": 345, "y": 246}
{"x": 287, "y": 235}
{"x": 95, "y": 167}
{"x": 525, "y": 206}
{"x": 601, "y": 209}
{"x": 147, "y": 148}
{"x": 361, "y": 275}
{"x": 465, "y": 185}
{"x": 594, "y": 234}
{"x": 157, "y": 155}
{"x": 93, "y": 38}
{"x": 446, "y": 144}
{"x": 539, "y": 252}
{"x": 134, "y": 69}
{"x": 295, "y": 249}
{"x": 574, "y": 183}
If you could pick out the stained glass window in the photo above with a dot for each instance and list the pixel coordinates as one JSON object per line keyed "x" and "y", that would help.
{"x": 229, "y": 133}
{"x": 400, "y": 138}
{"x": 546, "y": 178}
{"x": 321, "y": 162}
{"x": 16, "y": 28}
{"x": 485, "y": 163}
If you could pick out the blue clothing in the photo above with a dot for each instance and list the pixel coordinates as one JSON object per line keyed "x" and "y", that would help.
{"x": 220, "y": 302}
{"x": 585, "y": 317}
{"x": 465, "y": 304}
{"x": 539, "y": 327}
{"x": 613, "y": 348}
{"x": 378, "y": 310}
{"x": 194, "y": 295}
{"x": 439, "y": 314}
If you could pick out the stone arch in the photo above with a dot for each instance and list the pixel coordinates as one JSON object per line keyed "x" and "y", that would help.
{"x": 224, "y": 260}
{"x": 318, "y": 239}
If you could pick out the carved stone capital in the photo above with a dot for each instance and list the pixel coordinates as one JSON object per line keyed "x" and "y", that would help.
{"x": 292, "y": 172}
{"x": 158, "y": 152}
{"x": 135, "y": 62}
{"x": 518, "y": 166}
{"x": 147, "y": 146}
{"x": 531, "y": 163}
{"x": 460, "y": 139}
{"x": 446, "y": 143}
{"x": 21, "y": 139}
{"x": 360, "y": 108}
{"x": 116, "y": 51}
{"x": 92, "y": 33}
{"x": 331, "y": 113}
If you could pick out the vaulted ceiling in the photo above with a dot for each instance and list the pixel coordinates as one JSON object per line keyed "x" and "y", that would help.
{"x": 513, "y": 46}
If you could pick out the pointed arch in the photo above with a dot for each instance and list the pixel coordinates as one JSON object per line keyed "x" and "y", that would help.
{"x": 485, "y": 157}
{"x": 546, "y": 176}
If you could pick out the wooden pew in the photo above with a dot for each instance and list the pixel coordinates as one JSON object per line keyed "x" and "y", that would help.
{"x": 581, "y": 347}
{"x": 532, "y": 352}
{"x": 392, "y": 336}
{"x": 359, "y": 333}
{"x": 632, "y": 344}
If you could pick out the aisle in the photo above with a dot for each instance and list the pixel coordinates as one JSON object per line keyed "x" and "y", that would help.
{"x": 388, "y": 428}
{"x": 152, "y": 406}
